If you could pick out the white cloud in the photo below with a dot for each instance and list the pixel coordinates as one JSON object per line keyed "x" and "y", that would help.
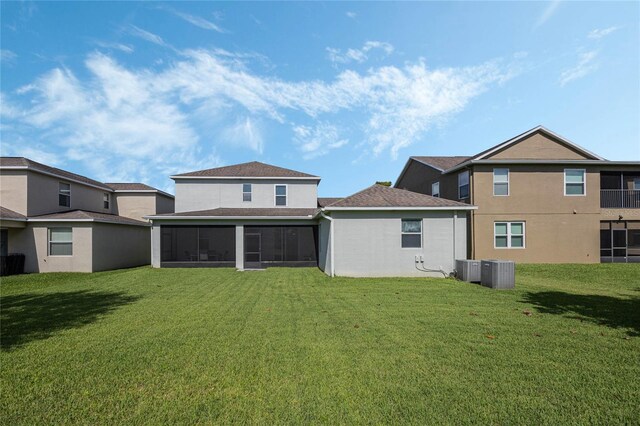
{"x": 547, "y": 13}
{"x": 358, "y": 55}
{"x": 585, "y": 66}
{"x": 244, "y": 133}
{"x": 318, "y": 140}
{"x": 351, "y": 15}
{"x": 7, "y": 56}
{"x": 196, "y": 20}
{"x": 146, "y": 35}
{"x": 600, "y": 33}
{"x": 126, "y": 48}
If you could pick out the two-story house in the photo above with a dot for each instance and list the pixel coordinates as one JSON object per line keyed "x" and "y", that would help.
{"x": 255, "y": 215}
{"x": 62, "y": 221}
{"x": 540, "y": 199}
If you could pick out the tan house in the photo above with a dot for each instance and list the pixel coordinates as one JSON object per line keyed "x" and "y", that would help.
{"x": 65, "y": 222}
{"x": 540, "y": 199}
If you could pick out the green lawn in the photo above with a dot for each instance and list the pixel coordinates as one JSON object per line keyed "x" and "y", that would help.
{"x": 159, "y": 346}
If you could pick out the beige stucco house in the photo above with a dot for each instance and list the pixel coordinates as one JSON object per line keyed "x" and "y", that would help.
{"x": 540, "y": 198}
{"x": 65, "y": 222}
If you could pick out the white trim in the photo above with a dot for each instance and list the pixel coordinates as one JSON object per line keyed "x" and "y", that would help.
{"x": 9, "y": 219}
{"x": 509, "y": 235}
{"x": 468, "y": 184}
{"x": 56, "y": 175}
{"x": 150, "y": 191}
{"x": 508, "y": 182}
{"x": 603, "y": 163}
{"x": 427, "y": 164}
{"x": 584, "y": 183}
{"x": 250, "y": 192}
{"x": 37, "y": 220}
{"x": 246, "y": 177}
{"x": 230, "y": 217}
{"x": 438, "y": 184}
{"x": 332, "y": 271}
{"x": 49, "y": 242}
{"x": 275, "y": 195}
{"x": 454, "y": 208}
{"x": 412, "y": 233}
{"x": 64, "y": 192}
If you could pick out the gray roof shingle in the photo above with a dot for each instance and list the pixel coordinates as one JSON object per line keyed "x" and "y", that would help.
{"x": 34, "y": 165}
{"x": 442, "y": 163}
{"x": 131, "y": 186}
{"x": 5, "y": 213}
{"x": 325, "y": 201}
{"x": 384, "y": 196}
{"x": 252, "y": 169}
{"x": 84, "y": 215}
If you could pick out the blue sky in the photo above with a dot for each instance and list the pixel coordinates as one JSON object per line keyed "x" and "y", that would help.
{"x": 138, "y": 91}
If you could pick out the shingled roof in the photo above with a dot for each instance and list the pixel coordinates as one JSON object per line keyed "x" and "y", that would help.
{"x": 131, "y": 186}
{"x": 244, "y": 212}
{"x": 5, "y": 213}
{"x": 83, "y": 215}
{"x": 25, "y": 163}
{"x": 388, "y": 197}
{"x": 252, "y": 169}
{"x": 442, "y": 163}
{"x": 325, "y": 201}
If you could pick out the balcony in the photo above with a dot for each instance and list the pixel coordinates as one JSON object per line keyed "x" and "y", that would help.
{"x": 620, "y": 198}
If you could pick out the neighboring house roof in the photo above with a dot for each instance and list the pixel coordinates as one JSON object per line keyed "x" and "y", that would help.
{"x": 441, "y": 163}
{"x": 388, "y": 198}
{"x": 254, "y": 169}
{"x": 135, "y": 187}
{"x": 325, "y": 201}
{"x": 86, "y": 216}
{"x": 224, "y": 212}
{"x": 5, "y": 213}
{"x": 25, "y": 163}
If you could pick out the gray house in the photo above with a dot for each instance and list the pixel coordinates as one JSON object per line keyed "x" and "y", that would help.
{"x": 255, "y": 215}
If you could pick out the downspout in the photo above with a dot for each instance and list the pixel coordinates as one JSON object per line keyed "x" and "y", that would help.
{"x": 455, "y": 236}
{"x": 333, "y": 268}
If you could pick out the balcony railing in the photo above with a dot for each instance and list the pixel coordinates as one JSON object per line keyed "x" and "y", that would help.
{"x": 620, "y": 198}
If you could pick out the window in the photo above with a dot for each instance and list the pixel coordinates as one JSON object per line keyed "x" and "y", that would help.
{"x": 246, "y": 192}
{"x": 574, "y": 183}
{"x": 60, "y": 242}
{"x": 463, "y": 185}
{"x": 64, "y": 194}
{"x": 636, "y": 184}
{"x": 105, "y": 200}
{"x": 500, "y": 181}
{"x": 435, "y": 189}
{"x": 411, "y": 233}
{"x": 508, "y": 234}
{"x": 281, "y": 195}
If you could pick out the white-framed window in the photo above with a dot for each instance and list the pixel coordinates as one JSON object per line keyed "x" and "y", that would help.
{"x": 463, "y": 185}
{"x": 60, "y": 241}
{"x": 246, "y": 192}
{"x": 508, "y": 235}
{"x": 435, "y": 189}
{"x": 575, "y": 182}
{"x": 281, "y": 195}
{"x": 105, "y": 200}
{"x": 411, "y": 233}
{"x": 636, "y": 184}
{"x": 64, "y": 194}
{"x": 501, "y": 182}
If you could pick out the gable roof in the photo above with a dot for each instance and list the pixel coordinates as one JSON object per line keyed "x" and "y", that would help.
{"x": 86, "y": 216}
{"x": 253, "y": 169}
{"x": 325, "y": 201}
{"x": 379, "y": 196}
{"x": 25, "y": 163}
{"x": 441, "y": 163}
{"x": 8, "y": 214}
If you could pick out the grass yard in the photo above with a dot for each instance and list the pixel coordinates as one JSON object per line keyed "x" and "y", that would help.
{"x": 152, "y": 346}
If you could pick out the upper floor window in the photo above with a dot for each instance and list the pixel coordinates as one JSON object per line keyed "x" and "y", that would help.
{"x": 60, "y": 241}
{"x": 500, "y": 181}
{"x": 463, "y": 185}
{"x": 435, "y": 189}
{"x": 105, "y": 200}
{"x": 281, "y": 195}
{"x": 574, "y": 182}
{"x": 64, "y": 194}
{"x": 411, "y": 233}
{"x": 246, "y": 192}
{"x": 508, "y": 234}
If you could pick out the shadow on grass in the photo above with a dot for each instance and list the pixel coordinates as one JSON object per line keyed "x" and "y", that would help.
{"x": 604, "y": 310}
{"x": 29, "y": 317}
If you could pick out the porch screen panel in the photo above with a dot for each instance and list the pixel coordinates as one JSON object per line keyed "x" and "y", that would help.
{"x": 197, "y": 243}
{"x": 286, "y": 245}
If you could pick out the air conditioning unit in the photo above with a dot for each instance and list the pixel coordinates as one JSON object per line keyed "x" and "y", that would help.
{"x": 499, "y": 274}
{"x": 468, "y": 270}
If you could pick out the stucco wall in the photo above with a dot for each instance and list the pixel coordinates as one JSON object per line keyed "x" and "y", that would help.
{"x": 419, "y": 177}
{"x": 193, "y": 195}
{"x": 120, "y": 246}
{"x": 13, "y": 190}
{"x": 164, "y": 204}
{"x": 369, "y": 243}
{"x": 155, "y": 246}
{"x": 33, "y": 242}
{"x": 538, "y": 146}
{"x": 43, "y": 196}
{"x": 324, "y": 246}
{"x": 135, "y": 205}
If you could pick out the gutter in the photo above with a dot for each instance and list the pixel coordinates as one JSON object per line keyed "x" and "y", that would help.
{"x": 333, "y": 267}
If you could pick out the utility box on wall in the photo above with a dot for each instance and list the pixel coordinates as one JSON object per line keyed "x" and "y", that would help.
{"x": 498, "y": 274}
{"x": 469, "y": 270}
